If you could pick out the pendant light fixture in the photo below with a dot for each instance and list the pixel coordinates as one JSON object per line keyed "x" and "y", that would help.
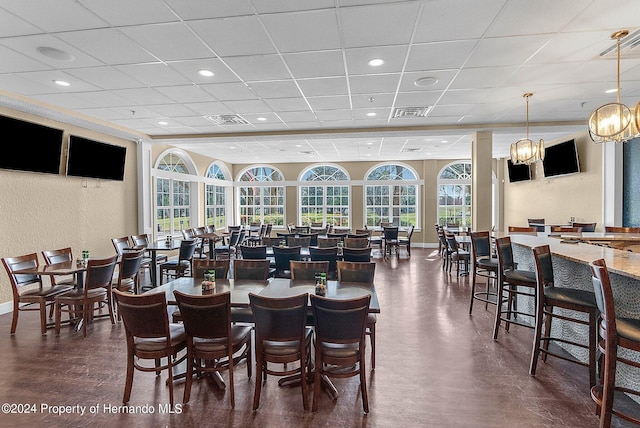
{"x": 525, "y": 151}
{"x": 615, "y": 121}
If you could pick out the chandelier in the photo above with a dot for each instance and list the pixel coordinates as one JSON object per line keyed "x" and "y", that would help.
{"x": 615, "y": 121}
{"x": 525, "y": 151}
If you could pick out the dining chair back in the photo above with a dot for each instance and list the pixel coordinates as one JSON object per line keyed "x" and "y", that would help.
{"x": 211, "y": 337}
{"x": 283, "y": 257}
{"x": 258, "y": 252}
{"x": 586, "y": 227}
{"x": 359, "y": 242}
{"x": 149, "y": 336}
{"x": 128, "y": 272}
{"x": 304, "y": 242}
{"x": 356, "y": 254}
{"x": 406, "y": 240}
{"x": 329, "y": 254}
{"x": 566, "y": 230}
{"x": 271, "y": 241}
{"x": 121, "y": 244}
{"x": 268, "y": 231}
{"x": 328, "y": 242}
{"x": 221, "y": 268}
{"x": 538, "y": 223}
{"x": 363, "y": 272}
{"x": 281, "y": 337}
{"x": 618, "y": 338}
{"x": 59, "y": 256}
{"x": 26, "y": 296}
{"x": 390, "y": 237}
{"x": 457, "y": 254}
{"x": 307, "y": 271}
{"x": 313, "y": 239}
{"x": 340, "y": 341}
{"x": 251, "y": 269}
{"x": 522, "y": 230}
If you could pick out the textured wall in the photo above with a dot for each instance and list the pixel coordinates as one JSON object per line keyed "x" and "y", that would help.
{"x": 45, "y": 211}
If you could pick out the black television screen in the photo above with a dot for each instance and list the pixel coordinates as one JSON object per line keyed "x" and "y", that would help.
{"x": 93, "y": 159}
{"x": 30, "y": 147}
{"x": 561, "y": 159}
{"x": 518, "y": 172}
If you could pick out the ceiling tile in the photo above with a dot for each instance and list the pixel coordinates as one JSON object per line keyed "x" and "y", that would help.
{"x": 258, "y": 67}
{"x": 442, "y": 80}
{"x": 154, "y": 74}
{"x": 303, "y": 31}
{"x": 321, "y": 87}
{"x": 247, "y": 106}
{"x": 388, "y": 24}
{"x": 126, "y": 12}
{"x": 297, "y": 116}
{"x": 372, "y": 100}
{"x": 186, "y": 94}
{"x": 506, "y": 51}
{"x": 315, "y": 64}
{"x": 374, "y": 83}
{"x": 14, "y": 62}
{"x": 329, "y": 103}
{"x": 189, "y": 69}
{"x": 201, "y": 9}
{"x": 234, "y": 36}
{"x": 358, "y": 59}
{"x": 169, "y": 42}
{"x": 270, "y": 6}
{"x": 52, "y": 16}
{"x": 230, "y": 91}
{"x": 287, "y": 104}
{"x": 107, "y": 45}
{"x": 273, "y": 89}
{"x": 439, "y": 56}
{"x": 105, "y": 77}
{"x": 29, "y": 45}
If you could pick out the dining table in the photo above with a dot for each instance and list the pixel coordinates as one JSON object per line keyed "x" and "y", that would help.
{"x": 154, "y": 247}
{"x": 213, "y": 238}
{"x": 274, "y": 288}
{"x": 70, "y": 267}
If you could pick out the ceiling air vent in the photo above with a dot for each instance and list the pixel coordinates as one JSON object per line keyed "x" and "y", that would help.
{"x": 308, "y": 153}
{"x": 227, "y": 119}
{"x": 411, "y": 111}
{"x": 629, "y": 47}
{"x": 411, "y": 150}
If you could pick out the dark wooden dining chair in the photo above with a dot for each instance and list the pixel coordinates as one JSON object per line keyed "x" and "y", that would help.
{"x": 356, "y": 242}
{"x": 141, "y": 241}
{"x": 212, "y": 338}
{"x": 457, "y": 254}
{"x": 575, "y": 303}
{"x": 283, "y": 256}
{"x": 281, "y": 338}
{"x": 306, "y": 271}
{"x": 586, "y": 227}
{"x": 251, "y": 269}
{"x": 485, "y": 265}
{"x": 128, "y": 272}
{"x": 95, "y": 295}
{"x": 361, "y": 273}
{"x": 297, "y": 241}
{"x": 356, "y": 254}
{"x": 253, "y": 252}
{"x": 149, "y": 336}
{"x": 29, "y": 294}
{"x": 221, "y": 268}
{"x": 405, "y": 241}
{"x": 538, "y": 223}
{"x": 179, "y": 267}
{"x": 328, "y": 254}
{"x": 328, "y": 242}
{"x": 340, "y": 341}
{"x": 121, "y": 244}
{"x": 512, "y": 283}
{"x": 618, "y": 336}
{"x": 391, "y": 241}
{"x": 566, "y": 230}
{"x": 60, "y": 256}
{"x": 236, "y": 238}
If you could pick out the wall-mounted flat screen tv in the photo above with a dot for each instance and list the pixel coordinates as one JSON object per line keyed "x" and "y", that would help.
{"x": 93, "y": 159}
{"x": 561, "y": 159}
{"x": 28, "y": 146}
{"x": 518, "y": 172}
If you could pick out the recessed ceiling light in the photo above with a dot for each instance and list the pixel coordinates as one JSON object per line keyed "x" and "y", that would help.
{"x": 232, "y": 147}
{"x": 163, "y": 123}
{"x": 425, "y": 81}
{"x": 611, "y": 91}
{"x": 262, "y": 119}
{"x": 376, "y": 62}
{"x": 371, "y": 114}
{"x": 206, "y": 73}
{"x": 298, "y": 145}
{"x": 369, "y": 143}
{"x": 444, "y": 141}
{"x": 367, "y": 154}
{"x": 55, "y": 53}
{"x": 61, "y": 83}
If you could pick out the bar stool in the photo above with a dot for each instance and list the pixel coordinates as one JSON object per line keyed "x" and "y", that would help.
{"x": 514, "y": 282}
{"x": 614, "y": 332}
{"x": 572, "y": 299}
{"x": 484, "y": 265}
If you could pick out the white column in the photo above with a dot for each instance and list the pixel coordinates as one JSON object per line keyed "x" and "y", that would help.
{"x": 481, "y": 190}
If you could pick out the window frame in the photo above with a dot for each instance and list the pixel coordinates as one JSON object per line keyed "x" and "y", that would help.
{"x": 323, "y": 185}
{"x": 258, "y": 187}
{"x": 391, "y": 185}
{"x": 217, "y": 189}
{"x": 466, "y": 209}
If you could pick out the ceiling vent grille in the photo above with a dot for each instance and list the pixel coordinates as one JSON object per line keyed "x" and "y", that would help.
{"x": 411, "y": 112}
{"x": 411, "y": 150}
{"x": 227, "y": 119}
{"x": 629, "y": 47}
{"x": 308, "y": 153}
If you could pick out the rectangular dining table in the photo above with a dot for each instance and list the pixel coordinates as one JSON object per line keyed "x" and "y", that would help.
{"x": 64, "y": 268}
{"x": 153, "y": 248}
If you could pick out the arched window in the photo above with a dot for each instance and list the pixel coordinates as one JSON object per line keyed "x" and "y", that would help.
{"x": 454, "y": 194}
{"x": 173, "y": 194}
{"x": 325, "y": 200}
{"x": 260, "y": 199}
{"x": 389, "y": 200}
{"x": 215, "y": 196}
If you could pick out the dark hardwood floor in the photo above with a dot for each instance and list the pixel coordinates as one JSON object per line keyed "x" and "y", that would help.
{"x": 436, "y": 367}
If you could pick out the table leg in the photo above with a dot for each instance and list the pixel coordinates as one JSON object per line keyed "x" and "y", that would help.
{"x": 152, "y": 268}
{"x": 80, "y": 286}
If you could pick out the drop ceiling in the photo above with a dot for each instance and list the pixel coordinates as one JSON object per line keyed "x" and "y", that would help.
{"x": 296, "y": 72}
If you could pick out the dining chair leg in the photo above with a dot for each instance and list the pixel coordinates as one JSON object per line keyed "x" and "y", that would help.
{"x": 189, "y": 376}
{"x": 363, "y": 386}
{"x": 316, "y": 382}
{"x": 14, "y": 318}
{"x": 43, "y": 317}
{"x": 129, "y": 380}
{"x": 260, "y": 372}
{"x": 58, "y": 316}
